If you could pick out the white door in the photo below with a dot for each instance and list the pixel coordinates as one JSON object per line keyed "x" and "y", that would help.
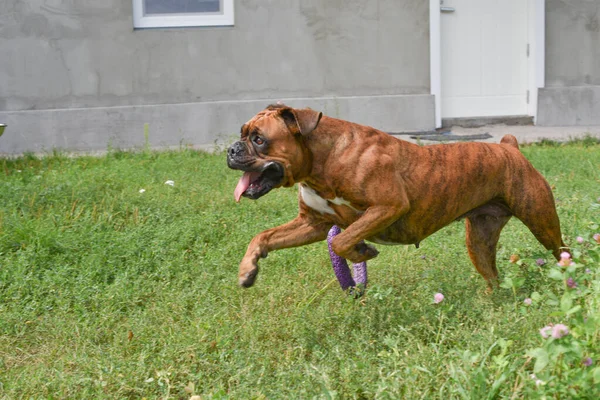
{"x": 484, "y": 58}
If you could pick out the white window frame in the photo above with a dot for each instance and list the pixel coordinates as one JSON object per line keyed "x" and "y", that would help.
{"x": 225, "y": 18}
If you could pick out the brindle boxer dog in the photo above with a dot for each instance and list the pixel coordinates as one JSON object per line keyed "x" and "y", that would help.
{"x": 384, "y": 190}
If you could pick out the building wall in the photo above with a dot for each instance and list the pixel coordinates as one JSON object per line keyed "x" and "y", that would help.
{"x": 572, "y": 92}
{"x": 75, "y": 74}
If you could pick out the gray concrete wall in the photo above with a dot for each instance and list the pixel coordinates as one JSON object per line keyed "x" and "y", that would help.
{"x": 572, "y": 92}
{"x": 572, "y": 43}
{"x": 200, "y": 124}
{"x": 73, "y": 56}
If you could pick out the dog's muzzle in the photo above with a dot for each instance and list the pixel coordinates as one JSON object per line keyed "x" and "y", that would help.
{"x": 257, "y": 180}
{"x": 237, "y": 156}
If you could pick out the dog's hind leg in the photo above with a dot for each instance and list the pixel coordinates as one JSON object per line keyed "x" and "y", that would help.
{"x": 544, "y": 224}
{"x": 547, "y": 231}
{"x": 538, "y": 212}
{"x": 483, "y": 231}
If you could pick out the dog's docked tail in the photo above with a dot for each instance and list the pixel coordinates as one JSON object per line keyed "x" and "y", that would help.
{"x": 510, "y": 140}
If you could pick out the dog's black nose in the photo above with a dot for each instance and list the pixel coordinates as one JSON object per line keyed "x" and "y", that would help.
{"x": 235, "y": 149}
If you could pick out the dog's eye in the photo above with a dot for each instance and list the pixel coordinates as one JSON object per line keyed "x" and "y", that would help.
{"x": 258, "y": 140}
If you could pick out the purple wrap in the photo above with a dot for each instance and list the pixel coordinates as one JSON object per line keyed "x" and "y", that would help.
{"x": 360, "y": 273}
{"x": 340, "y": 266}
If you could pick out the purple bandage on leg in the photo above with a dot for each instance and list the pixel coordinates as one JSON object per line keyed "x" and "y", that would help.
{"x": 360, "y": 273}
{"x": 340, "y": 266}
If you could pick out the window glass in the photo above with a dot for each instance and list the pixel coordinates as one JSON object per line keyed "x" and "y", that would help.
{"x": 182, "y": 13}
{"x": 181, "y": 6}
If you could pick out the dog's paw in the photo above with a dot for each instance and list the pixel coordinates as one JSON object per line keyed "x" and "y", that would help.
{"x": 247, "y": 279}
{"x": 248, "y": 273}
{"x": 366, "y": 250}
{"x": 361, "y": 252}
{"x": 358, "y": 253}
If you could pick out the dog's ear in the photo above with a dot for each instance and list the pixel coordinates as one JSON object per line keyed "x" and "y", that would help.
{"x": 301, "y": 121}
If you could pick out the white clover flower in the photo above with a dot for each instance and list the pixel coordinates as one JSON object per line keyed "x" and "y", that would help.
{"x": 142, "y": 190}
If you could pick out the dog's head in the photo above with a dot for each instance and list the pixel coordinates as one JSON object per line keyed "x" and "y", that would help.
{"x": 271, "y": 151}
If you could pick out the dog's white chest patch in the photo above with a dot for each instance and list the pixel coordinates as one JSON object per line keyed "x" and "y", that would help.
{"x": 314, "y": 201}
{"x": 317, "y": 203}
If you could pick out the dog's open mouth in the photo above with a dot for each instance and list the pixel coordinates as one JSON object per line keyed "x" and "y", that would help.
{"x": 254, "y": 184}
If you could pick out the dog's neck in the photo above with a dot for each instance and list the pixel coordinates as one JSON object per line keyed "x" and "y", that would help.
{"x": 321, "y": 148}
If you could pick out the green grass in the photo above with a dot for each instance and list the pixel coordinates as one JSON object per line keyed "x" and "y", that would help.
{"x": 106, "y": 292}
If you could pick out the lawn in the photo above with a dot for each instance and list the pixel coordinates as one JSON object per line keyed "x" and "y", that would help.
{"x": 114, "y": 284}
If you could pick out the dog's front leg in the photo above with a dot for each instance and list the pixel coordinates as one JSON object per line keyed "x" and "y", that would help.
{"x": 298, "y": 232}
{"x": 350, "y": 243}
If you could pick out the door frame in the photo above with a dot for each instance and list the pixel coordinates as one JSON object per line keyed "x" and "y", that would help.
{"x": 536, "y": 11}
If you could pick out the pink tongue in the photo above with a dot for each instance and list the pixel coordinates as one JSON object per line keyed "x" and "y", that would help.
{"x": 244, "y": 183}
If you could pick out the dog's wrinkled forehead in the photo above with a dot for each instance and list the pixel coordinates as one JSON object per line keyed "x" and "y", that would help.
{"x": 258, "y": 122}
{"x": 261, "y": 121}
